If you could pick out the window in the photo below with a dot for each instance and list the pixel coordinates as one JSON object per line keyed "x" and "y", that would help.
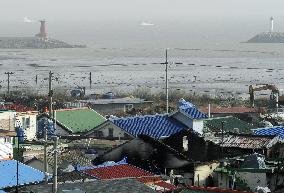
{"x": 28, "y": 121}
{"x": 98, "y": 134}
{"x": 7, "y": 140}
{"x": 110, "y": 132}
{"x": 23, "y": 122}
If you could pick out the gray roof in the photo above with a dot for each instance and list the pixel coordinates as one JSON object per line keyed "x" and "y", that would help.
{"x": 126, "y": 100}
{"x": 97, "y": 186}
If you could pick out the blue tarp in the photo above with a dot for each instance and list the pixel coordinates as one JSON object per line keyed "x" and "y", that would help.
{"x": 27, "y": 174}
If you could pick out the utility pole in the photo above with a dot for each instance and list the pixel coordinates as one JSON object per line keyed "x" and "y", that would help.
{"x": 18, "y": 156}
{"x": 55, "y": 166}
{"x": 167, "y": 83}
{"x": 222, "y": 147}
{"x": 50, "y": 93}
{"x": 45, "y": 153}
{"x": 90, "y": 78}
{"x": 9, "y": 73}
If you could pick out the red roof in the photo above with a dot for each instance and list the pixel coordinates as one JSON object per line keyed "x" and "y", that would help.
{"x": 128, "y": 171}
{"x": 17, "y": 108}
{"x": 229, "y": 110}
{"x": 118, "y": 171}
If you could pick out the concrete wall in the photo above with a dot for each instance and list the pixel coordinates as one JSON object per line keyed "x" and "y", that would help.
{"x": 222, "y": 181}
{"x": 60, "y": 132}
{"x": 37, "y": 164}
{"x": 183, "y": 119}
{"x": 202, "y": 172}
{"x": 275, "y": 180}
{"x": 7, "y": 120}
{"x": 105, "y": 130}
{"x": 253, "y": 179}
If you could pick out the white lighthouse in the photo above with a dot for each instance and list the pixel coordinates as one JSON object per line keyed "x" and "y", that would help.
{"x": 271, "y": 25}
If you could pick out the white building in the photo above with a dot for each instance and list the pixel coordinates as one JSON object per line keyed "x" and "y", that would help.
{"x": 6, "y": 144}
{"x": 27, "y": 121}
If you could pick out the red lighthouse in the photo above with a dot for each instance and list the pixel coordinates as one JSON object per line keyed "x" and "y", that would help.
{"x": 42, "y": 32}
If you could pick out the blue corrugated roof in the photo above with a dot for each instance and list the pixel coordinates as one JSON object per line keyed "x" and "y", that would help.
{"x": 154, "y": 126}
{"x": 27, "y": 174}
{"x": 279, "y": 130}
{"x": 190, "y": 110}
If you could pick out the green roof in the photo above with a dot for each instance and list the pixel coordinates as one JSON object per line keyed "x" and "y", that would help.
{"x": 230, "y": 123}
{"x": 79, "y": 120}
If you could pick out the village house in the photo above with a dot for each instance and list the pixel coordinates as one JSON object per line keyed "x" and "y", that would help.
{"x": 241, "y": 144}
{"x": 157, "y": 126}
{"x": 249, "y": 173}
{"x": 116, "y": 105}
{"x": 247, "y": 114}
{"x": 189, "y": 115}
{"x": 68, "y": 122}
{"x": 194, "y": 146}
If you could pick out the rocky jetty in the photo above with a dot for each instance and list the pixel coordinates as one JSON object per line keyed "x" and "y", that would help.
{"x": 33, "y": 43}
{"x": 267, "y": 37}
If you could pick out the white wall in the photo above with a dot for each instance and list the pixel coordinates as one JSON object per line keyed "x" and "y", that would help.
{"x": 6, "y": 149}
{"x": 198, "y": 125}
{"x": 195, "y": 124}
{"x": 202, "y": 172}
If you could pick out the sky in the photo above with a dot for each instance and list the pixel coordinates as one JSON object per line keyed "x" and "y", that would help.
{"x": 99, "y": 19}
{"x": 139, "y": 10}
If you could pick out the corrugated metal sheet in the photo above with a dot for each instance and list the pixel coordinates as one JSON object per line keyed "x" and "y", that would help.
{"x": 247, "y": 141}
{"x": 154, "y": 126}
{"x": 27, "y": 175}
{"x": 271, "y": 131}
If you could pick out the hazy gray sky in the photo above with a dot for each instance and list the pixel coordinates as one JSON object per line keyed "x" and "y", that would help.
{"x": 135, "y": 10}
